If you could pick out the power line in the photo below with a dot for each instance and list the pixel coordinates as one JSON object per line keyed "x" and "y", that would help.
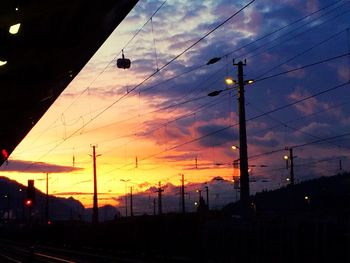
{"x": 100, "y": 73}
{"x": 249, "y": 119}
{"x": 301, "y": 53}
{"x": 281, "y": 28}
{"x": 293, "y": 128}
{"x": 199, "y": 67}
{"x": 300, "y": 145}
{"x": 139, "y": 30}
{"x": 306, "y": 98}
{"x": 288, "y": 34}
{"x": 268, "y": 77}
{"x": 302, "y": 67}
{"x": 151, "y": 75}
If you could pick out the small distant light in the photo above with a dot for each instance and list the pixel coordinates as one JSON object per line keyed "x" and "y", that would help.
{"x": 229, "y": 81}
{"x": 5, "y": 196}
{"x": 195, "y": 203}
{"x": 286, "y": 157}
{"x": 2, "y": 63}
{"x": 306, "y": 198}
{"x": 14, "y": 28}
{"x": 250, "y": 81}
{"x": 4, "y": 154}
{"x": 16, "y": 9}
{"x": 20, "y": 190}
{"x": 234, "y": 147}
{"x": 288, "y": 179}
{"x": 49, "y": 222}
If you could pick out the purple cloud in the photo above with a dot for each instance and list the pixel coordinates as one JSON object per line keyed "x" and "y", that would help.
{"x": 40, "y": 167}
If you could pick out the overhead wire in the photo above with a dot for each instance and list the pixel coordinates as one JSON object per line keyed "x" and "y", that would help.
{"x": 302, "y": 67}
{"x": 248, "y": 119}
{"x": 281, "y": 73}
{"x": 288, "y": 105}
{"x": 293, "y": 37}
{"x": 299, "y": 145}
{"x": 150, "y": 76}
{"x": 102, "y": 71}
{"x": 201, "y": 66}
{"x": 303, "y": 117}
{"x": 284, "y": 124}
{"x": 282, "y": 28}
{"x": 301, "y": 53}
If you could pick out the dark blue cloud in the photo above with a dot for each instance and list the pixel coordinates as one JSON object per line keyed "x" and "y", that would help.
{"x": 225, "y": 137}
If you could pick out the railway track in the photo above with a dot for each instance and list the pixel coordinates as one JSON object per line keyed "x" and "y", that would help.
{"x": 15, "y": 252}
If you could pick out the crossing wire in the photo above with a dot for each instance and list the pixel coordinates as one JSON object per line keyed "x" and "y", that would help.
{"x": 147, "y": 78}
{"x": 246, "y": 45}
{"x": 249, "y": 119}
{"x": 99, "y": 74}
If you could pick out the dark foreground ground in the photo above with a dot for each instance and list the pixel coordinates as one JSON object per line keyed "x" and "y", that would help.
{"x": 190, "y": 238}
{"x": 283, "y": 227}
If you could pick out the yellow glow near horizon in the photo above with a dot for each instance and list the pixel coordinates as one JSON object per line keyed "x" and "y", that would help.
{"x": 132, "y": 128}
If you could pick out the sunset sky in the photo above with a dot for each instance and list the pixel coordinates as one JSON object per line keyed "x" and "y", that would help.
{"x": 158, "y": 112}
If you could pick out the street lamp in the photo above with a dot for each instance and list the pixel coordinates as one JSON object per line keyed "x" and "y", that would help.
{"x": 307, "y": 199}
{"x": 199, "y": 191}
{"x": 243, "y": 152}
{"x": 230, "y": 81}
{"x": 290, "y": 163}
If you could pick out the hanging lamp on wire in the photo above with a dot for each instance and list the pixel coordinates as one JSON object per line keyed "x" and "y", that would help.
{"x": 123, "y": 62}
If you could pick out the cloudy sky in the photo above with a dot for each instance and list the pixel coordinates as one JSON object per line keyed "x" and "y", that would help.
{"x": 155, "y": 121}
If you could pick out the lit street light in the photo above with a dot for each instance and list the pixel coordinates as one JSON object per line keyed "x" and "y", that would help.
{"x": 230, "y": 81}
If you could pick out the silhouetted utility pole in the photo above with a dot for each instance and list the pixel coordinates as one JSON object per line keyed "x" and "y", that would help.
{"x": 291, "y": 162}
{"x": 154, "y": 206}
{"x": 183, "y": 193}
{"x": 243, "y": 152}
{"x": 126, "y": 195}
{"x": 7, "y": 196}
{"x": 131, "y": 204}
{"x": 95, "y": 205}
{"x": 340, "y": 166}
{"x": 207, "y": 195}
{"x": 47, "y": 199}
{"x": 199, "y": 191}
{"x": 159, "y": 191}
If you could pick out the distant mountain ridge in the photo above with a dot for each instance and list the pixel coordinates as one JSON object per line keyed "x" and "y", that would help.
{"x": 13, "y": 195}
{"x": 324, "y": 195}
